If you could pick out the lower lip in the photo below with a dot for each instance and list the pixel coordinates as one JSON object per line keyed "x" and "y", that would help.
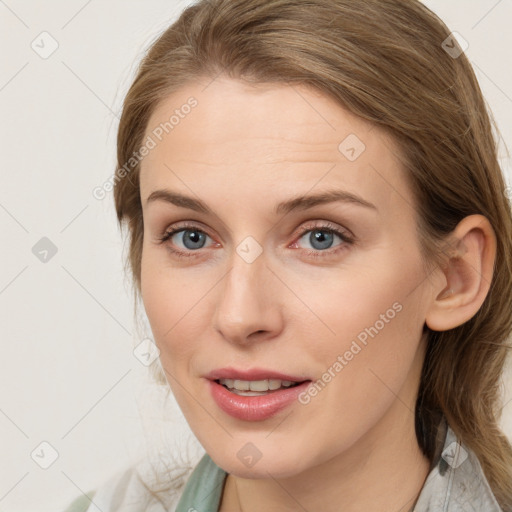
{"x": 255, "y": 408}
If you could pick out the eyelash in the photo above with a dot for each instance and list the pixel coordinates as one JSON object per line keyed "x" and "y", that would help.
{"x": 325, "y": 228}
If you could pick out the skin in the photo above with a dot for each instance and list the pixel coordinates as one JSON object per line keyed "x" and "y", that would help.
{"x": 242, "y": 150}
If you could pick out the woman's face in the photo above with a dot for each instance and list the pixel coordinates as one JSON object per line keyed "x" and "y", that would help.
{"x": 302, "y": 260}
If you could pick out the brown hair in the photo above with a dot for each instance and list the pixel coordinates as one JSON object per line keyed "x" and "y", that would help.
{"x": 383, "y": 60}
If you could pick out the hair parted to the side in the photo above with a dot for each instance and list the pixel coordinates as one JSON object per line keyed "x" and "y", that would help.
{"x": 382, "y": 60}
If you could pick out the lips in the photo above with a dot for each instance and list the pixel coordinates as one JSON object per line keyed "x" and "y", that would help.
{"x": 255, "y": 408}
{"x": 249, "y": 405}
{"x": 253, "y": 374}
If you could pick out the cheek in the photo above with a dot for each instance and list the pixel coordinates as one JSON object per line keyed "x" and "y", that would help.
{"x": 175, "y": 302}
{"x": 371, "y": 327}
{"x": 171, "y": 314}
{"x": 366, "y": 377}
{"x": 373, "y": 298}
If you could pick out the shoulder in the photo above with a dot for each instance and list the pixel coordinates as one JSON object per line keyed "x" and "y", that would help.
{"x": 456, "y": 482}
{"x": 142, "y": 486}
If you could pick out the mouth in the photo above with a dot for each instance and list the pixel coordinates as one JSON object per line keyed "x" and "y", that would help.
{"x": 257, "y": 387}
{"x": 255, "y": 398}
{"x": 255, "y": 394}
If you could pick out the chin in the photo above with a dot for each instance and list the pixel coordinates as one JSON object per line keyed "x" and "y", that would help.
{"x": 275, "y": 464}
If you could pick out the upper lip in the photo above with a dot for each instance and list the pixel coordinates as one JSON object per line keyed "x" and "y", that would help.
{"x": 252, "y": 374}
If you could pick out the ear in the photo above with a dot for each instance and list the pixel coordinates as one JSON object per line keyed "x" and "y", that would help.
{"x": 467, "y": 275}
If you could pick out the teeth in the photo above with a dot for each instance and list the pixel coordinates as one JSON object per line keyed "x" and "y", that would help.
{"x": 241, "y": 385}
{"x": 274, "y": 384}
{"x": 256, "y": 385}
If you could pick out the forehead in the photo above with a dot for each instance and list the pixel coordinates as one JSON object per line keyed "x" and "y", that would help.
{"x": 262, "y": 136}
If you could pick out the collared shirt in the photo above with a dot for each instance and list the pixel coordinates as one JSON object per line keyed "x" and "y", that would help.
{"x": 455, "y": 483}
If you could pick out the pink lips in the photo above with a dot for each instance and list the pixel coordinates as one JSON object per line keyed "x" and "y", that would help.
{"x": 252, "y": 374}
{"x": 254, "y": 408}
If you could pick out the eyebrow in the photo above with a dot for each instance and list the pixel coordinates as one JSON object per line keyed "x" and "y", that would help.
{"x": 301, "y": 202}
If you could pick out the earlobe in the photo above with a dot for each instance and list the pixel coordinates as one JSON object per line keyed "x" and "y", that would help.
{"x": 467, "y": 275}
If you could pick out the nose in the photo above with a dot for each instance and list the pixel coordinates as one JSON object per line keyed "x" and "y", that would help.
{"x": 248, "y": 308}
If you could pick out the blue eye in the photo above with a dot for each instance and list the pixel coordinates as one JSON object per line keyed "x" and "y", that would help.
{"x": 320, "y": 239}
{"x": 192, "y": 238}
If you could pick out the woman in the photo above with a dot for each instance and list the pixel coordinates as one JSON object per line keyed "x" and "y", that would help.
{"x": 320, "y": 236}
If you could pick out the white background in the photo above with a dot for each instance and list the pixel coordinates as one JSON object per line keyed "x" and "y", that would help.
{"x": 67, "y": 372}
